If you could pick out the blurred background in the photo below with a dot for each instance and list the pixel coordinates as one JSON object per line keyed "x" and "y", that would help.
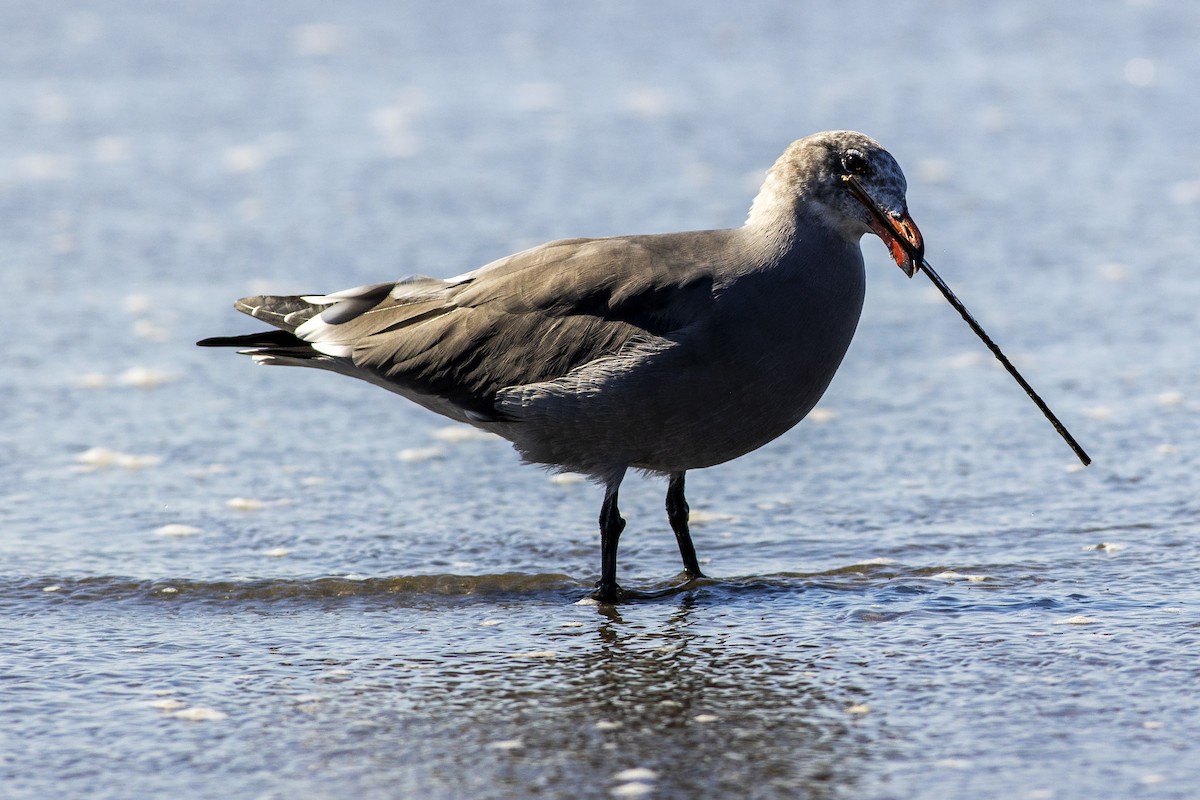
{"x": 159, "y": 160}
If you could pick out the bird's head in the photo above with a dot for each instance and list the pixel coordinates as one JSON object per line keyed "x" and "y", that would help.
{"x": 855, "y": 186}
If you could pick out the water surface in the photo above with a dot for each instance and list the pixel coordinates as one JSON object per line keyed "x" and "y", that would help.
{"x": 224, "y": 581}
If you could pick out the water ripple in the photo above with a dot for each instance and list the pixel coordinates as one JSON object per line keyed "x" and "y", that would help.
{"x": 884, "y": 582}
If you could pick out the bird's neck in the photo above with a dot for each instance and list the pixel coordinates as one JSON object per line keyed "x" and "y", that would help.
{"x": 780, "y": 220}
{"x": 775, "y": 199}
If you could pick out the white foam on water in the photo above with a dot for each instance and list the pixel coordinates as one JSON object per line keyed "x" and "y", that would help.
{"x": 243, "y": 158}
{"x": 176, "y": 529}
{"x": 1078, "y": 619}
{"x": 414, "y": 454}
{"x": 130, "y": 461}
{"x": 166, "y": 703}
{"x": 507, "y": 744}
{"x": 97, "y": 457}
{"x": 701, "y": 517}
{"x": 636, "y": 774}
{"x": 144, "y": 378}
{"x": 821, "y": 415}
{"x": 200, "y": 714}
{"x": 244, "y": 504}
{"x": 102, "y": 457}
{"x": 463, "y": 433}
{"x": 950, "y": 575}
{"x": 137, "y": 303}
{"x": 964, "y": 360}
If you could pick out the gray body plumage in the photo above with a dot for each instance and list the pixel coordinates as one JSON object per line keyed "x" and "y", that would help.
{"x": 660, "y": 352}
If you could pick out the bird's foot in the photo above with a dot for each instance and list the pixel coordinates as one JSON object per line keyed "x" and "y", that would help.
{"x": 607, "y": 592}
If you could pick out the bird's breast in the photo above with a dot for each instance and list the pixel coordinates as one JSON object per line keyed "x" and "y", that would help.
{"x": 751, "y": 367}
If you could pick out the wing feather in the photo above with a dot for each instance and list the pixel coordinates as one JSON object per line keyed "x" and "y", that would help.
{"x": 527, "y": 318}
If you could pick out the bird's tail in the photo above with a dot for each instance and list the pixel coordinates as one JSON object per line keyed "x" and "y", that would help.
{"x": 314, "y": 330}
{"x": 282, "y": 346}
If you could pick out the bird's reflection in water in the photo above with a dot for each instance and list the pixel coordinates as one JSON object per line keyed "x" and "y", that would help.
{"x": 675, "y": 693}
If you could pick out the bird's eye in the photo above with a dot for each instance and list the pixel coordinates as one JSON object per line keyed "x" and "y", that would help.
{"x": 855, "y": 163}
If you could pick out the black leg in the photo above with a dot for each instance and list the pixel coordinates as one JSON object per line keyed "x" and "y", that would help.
{"x": 611, "y": 526}
{"x": 677, "y": 513}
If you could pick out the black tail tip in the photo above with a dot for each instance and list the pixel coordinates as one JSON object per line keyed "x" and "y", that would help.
{"x": 251, "y": 340}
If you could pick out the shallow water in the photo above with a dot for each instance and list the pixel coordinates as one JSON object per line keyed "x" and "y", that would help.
{"x": 222, "y": 581}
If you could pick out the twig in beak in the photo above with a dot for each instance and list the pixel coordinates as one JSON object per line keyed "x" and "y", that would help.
{"x": 1003, "y": 359}
{"x": 918, "y": 259}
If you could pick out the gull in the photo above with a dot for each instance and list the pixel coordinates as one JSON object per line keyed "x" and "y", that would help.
{"x": 660, "y": 353}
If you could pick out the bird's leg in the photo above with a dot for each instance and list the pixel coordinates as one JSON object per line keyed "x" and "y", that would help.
{"x": 677, "y": 513}
{"x": 611, "y": 526}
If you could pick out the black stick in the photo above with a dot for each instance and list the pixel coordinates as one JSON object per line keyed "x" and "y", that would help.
{"x": 916, "y": 253}
{"x": 1003, "y": 359}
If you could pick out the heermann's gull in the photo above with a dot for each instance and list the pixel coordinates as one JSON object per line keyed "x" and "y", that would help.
{"x": 663, "y": 353}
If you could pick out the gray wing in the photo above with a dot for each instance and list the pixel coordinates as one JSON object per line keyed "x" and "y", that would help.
{"x": 531, "y": 317}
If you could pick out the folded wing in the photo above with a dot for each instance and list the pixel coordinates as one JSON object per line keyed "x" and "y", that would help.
{"x": 530, "y": 317}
